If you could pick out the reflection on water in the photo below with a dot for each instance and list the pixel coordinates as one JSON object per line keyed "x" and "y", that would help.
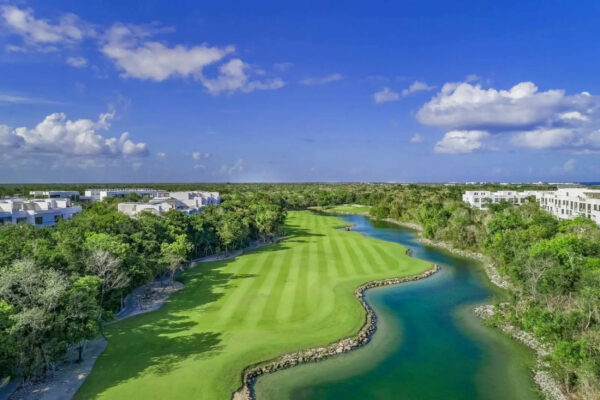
{"x": 428, "y": 344}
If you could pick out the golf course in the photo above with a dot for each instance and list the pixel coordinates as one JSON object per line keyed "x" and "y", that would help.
{"x": 232, "y": 313}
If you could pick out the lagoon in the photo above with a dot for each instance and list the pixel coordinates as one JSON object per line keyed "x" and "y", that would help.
{"x": 429, "y": 344}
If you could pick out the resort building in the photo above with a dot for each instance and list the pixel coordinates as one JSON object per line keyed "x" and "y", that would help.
{"x": 564, "y": 203}
{"x": 101, "y": 194}
{"x": 482, "y": 198}
{"x": 40, "y": 212}
{"x": 188, "y": 203}
{"x": 197, "y": 199}
{"x": 570, "y": 203}
{"x": 56, "y": 194}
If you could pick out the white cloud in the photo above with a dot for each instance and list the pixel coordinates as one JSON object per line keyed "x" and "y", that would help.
{"x": 544, "y": 138}
{"x": 77, "y": 62}
{"x": 199, "y": 156}
{"x": 56, "y": 135}
{"x": 461, "y": 142}
{"x": 534, "y": 119}
{"x": 321, "y": 80}
{"x": 237, "y": 167}
{"x": 462, "y": 105}
{"x": 234, "y": 75}
{"x": 416, "y": 86}
{"x": 385, "y": 95}
{"x": 142, "y": 59}
{"x": 18, "y": 99}
{"x": 573, "y": 116}
{"x": 416, "y": 138}
{"x": 161, "y": 155}
{"x": 68, "y": 29}
{"x": 132, "y": 52}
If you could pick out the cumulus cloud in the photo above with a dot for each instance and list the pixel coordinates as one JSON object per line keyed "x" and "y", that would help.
{"x": 544, "y": 138}
{"x": 57, "y": 135}
{"x": 385, "y": 95}
{"x": 140, "y": 58}
{"x": 132, "y": 51}
{"x": 416, "y": 86}
{"x": 321, "y": 80}
{"x": 461, "y": 142}
{"x": 234, "y": 75}
{"x": 68, "y": 29}
{"x": 77, "y": 62}
{"x": 529, "y": 117}
{"x": 461, "y": 105}
{"x": 416, "y": 138}
{"x": 161, "y": 154}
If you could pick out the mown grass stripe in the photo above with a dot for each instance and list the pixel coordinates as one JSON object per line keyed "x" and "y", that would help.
{"x": 251, "y": 275}
{"x": 252, "y": 296}
{"x": 269, "y": 312}
{"x": 284, "y": 311}
{"x": 351, "y": 256}
{"x": 365, "y": 249}
{"x": 197, "y": 345}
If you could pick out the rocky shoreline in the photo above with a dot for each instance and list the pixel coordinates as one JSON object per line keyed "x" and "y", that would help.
{"x": 251, "y": 373}
{"x": 543, "y": 379}
{"x": 490, "y": 269}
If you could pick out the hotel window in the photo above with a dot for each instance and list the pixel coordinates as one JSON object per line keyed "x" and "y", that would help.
{"x": 39, "y": 220}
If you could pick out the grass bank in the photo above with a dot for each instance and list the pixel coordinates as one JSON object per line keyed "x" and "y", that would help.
{"x": 232, "y": 313}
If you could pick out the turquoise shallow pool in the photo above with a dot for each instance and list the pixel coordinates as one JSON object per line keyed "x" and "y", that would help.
{"x": 428, "y": 345}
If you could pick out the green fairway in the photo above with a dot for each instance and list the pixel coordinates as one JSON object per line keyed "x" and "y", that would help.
{"x": 232, "y": 313}
{"x": 349, "y": 209}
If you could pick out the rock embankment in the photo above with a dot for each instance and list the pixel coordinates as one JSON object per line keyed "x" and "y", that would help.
{"x": 541, "y": 376}
{"x": 251, "y": 373}
{"x": 489, "y": 267}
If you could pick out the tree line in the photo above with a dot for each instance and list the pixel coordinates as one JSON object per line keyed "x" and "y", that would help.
{"x": 58, "y": 285}
{"x": 554, "y": 266}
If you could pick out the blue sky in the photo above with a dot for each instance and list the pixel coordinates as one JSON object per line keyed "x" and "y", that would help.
{"x": 299, "y": 91}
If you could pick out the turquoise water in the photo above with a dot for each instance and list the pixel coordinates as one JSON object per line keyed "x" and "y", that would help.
{"x": 428, "y": 345}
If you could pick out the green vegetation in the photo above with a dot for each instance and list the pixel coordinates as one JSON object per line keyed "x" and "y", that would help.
{"x": 348, "y": 209}
{"x": 233, "y": 313}
{"x": 553, "y": 265}
{"x": 58, "y": 285}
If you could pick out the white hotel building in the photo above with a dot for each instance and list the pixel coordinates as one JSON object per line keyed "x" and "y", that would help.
{"x": 56, "y": 194}
{"x": 41, "y": 212}
{"x": 188, "y": 203}
{"x": 570, "y": 203}
{"x": 565, "y": 203}
{"x": 101, "y": 194}
{"x": 482, "y": 198}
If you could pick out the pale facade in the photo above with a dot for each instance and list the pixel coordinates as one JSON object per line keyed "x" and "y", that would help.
{"x": 40, "y": 212}
{"x": 564, "y": 203}
{"x": 482, "y": 198}
{"x": 197, "y": 199}
{"x": 101, "y": 194}
{"x": 570, "y": 203}
{"x": 56, "y": 194}
{"x": 188, "y": 203}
